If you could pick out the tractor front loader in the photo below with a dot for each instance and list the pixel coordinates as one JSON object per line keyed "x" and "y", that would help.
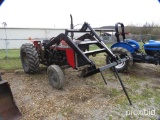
{"x": 66, "y": 50}
{"x": 8, "y": 108}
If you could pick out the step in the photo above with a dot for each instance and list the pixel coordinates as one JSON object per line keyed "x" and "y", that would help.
{"x": 94, "y": 51}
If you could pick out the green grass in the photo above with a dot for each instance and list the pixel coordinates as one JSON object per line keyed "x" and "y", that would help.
{"x": 143, "y": 96}
{"x": 12, "y": 53}
{"x": 11, "y": 62}
{"x": 93, "y": 47}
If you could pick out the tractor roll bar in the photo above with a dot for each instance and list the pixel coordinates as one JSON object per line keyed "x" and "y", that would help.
{"x": 117, "y": 31}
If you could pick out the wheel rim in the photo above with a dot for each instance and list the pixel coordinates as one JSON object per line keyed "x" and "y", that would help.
{"x": 121, "y": 65}
{"x": 53, "y": 78}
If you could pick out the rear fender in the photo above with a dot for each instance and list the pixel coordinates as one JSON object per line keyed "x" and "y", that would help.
{"x": 124, "y": 45}
{"x": 134, "y": 44}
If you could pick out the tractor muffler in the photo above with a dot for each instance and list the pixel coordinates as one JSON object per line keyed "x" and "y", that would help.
{"x": 8, "y": 108}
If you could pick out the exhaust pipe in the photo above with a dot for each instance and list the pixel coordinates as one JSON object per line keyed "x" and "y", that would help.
{"x": 71, "y": 26}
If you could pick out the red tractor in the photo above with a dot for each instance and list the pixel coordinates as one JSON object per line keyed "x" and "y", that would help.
{"x": 64, "y": 50}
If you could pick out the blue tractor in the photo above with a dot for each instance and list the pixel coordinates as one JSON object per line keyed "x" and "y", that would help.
{"x": 132, "y": 49}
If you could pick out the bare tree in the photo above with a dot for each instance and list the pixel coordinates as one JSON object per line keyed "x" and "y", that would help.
{"x": 147, "y": 28}
{"x": 134, "y": 29}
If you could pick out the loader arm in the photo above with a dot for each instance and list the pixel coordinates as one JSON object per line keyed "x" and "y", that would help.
{"x": 76, "y": 47}
{"x": 114, "y": 59}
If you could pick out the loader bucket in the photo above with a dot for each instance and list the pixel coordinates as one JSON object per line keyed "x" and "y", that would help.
{"x": 8, "y": 108}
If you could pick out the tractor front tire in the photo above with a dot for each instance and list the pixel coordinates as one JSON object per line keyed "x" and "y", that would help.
{"x": 55, "y": 76}
{"x": 29, "y": 58}
{"x": 122, "y": 52}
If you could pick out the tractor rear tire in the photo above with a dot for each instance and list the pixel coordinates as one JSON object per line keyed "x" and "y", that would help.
{"x": 29, "y": 58}
{"x": 55, "y": 76}
{"x": 121, "y": 52}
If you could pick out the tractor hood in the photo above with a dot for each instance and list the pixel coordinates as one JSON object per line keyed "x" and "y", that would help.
{"x": 152, "y": 45}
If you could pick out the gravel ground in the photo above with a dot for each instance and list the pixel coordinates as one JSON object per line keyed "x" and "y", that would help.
{"x": 84, "y": 98}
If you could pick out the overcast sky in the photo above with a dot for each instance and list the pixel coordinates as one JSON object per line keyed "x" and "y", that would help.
{"x": 55, "y": 13}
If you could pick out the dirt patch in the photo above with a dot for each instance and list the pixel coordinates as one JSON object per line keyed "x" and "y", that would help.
{"x": 85, "y": 98}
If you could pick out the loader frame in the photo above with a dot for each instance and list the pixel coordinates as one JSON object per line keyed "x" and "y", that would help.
{"x": 103, "y": 48}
